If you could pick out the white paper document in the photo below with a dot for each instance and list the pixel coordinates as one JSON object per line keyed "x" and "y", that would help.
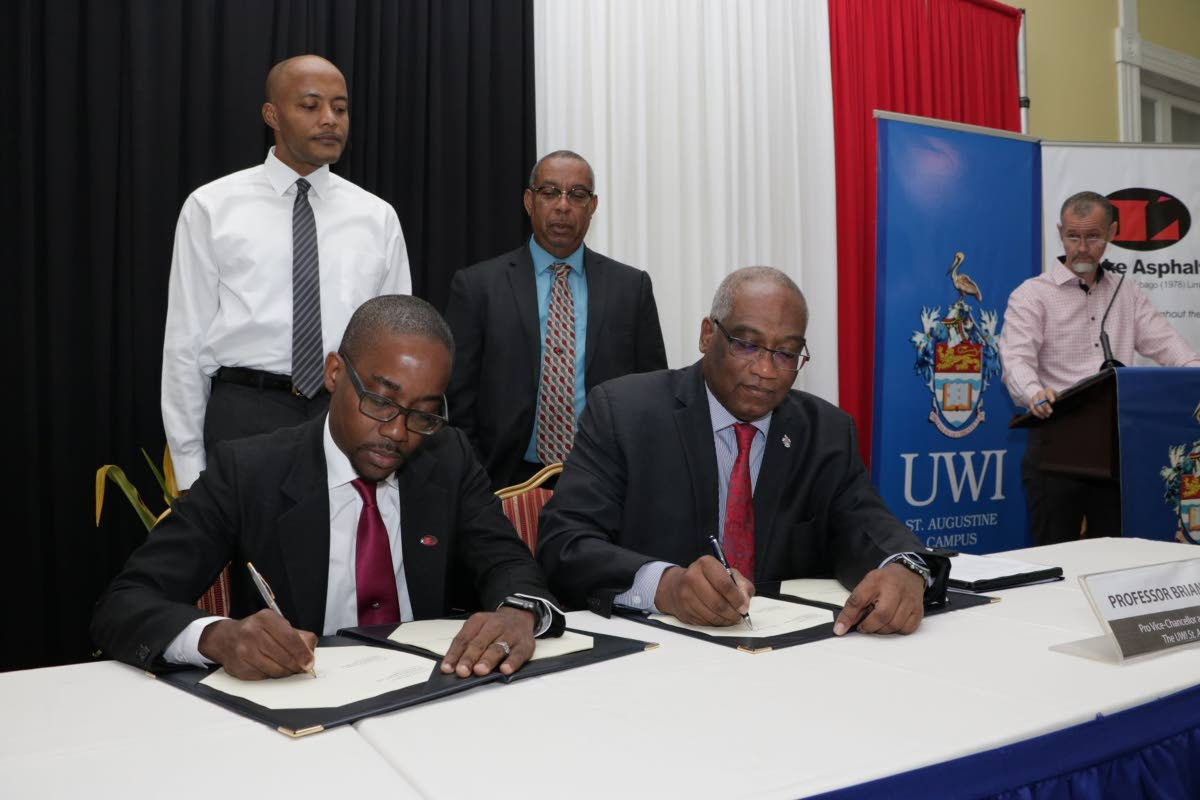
{"x": 770, "y": 618}
{"x": 436, "y": 636}
{"x": 344, "y": 675}
{"x": 823, "y": 590}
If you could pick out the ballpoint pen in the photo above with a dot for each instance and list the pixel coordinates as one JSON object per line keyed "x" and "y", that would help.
{"x": 720, "y": 554}
{"x": 268, "y": 597}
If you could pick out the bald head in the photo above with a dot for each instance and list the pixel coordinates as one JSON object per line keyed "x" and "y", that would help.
{"x": 281, "y": 72}
{"x": 308, "y": 107}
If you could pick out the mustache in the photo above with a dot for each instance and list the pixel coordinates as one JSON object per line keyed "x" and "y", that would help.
{"x": 384, "y": 448}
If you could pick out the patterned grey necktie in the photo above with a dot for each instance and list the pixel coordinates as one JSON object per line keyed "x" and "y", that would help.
{"x": 308, "y": 372}
{"x": 556, "y": 395}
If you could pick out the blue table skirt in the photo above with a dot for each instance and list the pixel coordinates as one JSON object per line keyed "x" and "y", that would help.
{"x": 1151, "y": 751}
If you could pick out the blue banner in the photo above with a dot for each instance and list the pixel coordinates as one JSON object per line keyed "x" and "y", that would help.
{"x": 958, "y": 228}
{"x": 1158, "y": 424}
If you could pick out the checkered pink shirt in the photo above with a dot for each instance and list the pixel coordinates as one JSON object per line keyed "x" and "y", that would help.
{"x": 1051, "y": 333}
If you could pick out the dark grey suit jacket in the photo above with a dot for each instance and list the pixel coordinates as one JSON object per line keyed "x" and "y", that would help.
{"x": 641, "y": 486}
{"x": 493, "y": 312}
{"x": 265, "y": 499}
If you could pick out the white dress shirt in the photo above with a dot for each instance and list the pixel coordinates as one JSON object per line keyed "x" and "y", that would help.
{"x": 341, "y": 593}
{"x": 230, "y": 294}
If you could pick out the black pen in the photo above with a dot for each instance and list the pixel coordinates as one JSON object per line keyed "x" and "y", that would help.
{"x": 720, "y": 554}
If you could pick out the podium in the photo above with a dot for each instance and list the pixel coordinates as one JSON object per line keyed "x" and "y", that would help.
{"x": 1080, "y": 439}
{"x": 1138, "y": 427}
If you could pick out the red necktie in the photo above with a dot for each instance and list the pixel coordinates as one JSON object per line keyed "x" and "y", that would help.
{"x": 374, "y": 577}
{"x": 739, "y": 507}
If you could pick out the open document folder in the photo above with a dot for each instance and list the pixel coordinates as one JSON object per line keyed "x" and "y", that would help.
{"x": 770, "y": 618}
{"x": 362, "y": 673}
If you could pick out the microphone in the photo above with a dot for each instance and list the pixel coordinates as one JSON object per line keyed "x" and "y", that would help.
{"x": 1109, "y": 361}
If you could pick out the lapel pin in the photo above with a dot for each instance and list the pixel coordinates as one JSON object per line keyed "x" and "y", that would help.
{"x": 787, "y": 440}
{"x": 429, "y": 541}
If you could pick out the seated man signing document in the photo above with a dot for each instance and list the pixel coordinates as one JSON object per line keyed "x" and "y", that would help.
{"x": 375, "y": 513}
{"x": 725, "y": 448}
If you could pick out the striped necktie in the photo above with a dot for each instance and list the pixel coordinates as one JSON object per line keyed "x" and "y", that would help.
{"x": 308, "y": 357}
{"x": 556, "y": 395}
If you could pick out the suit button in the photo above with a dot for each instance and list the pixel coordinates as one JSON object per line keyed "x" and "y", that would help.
{"x": 143, "y": 652}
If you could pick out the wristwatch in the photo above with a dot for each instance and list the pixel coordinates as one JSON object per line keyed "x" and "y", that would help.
{"x": 909, "y": 562}
{"x": 525, "y": 604}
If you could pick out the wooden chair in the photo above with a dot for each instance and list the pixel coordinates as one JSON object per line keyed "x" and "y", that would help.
{"x": 522, "y": 502}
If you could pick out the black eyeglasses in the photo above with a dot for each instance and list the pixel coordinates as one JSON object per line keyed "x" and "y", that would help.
{"x": 381, "y": 409}
{"x": 782, "y": 359}
{"x": 577, "y": 195}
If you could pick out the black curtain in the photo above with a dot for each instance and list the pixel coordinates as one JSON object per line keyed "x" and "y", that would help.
{"x": 117, "y": 111}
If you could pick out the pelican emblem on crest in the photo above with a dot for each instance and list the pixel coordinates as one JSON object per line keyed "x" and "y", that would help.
{"x": 957, "y": 356}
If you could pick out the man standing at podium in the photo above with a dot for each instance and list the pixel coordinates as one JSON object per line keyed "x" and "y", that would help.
{"x": 1052, "y": 338}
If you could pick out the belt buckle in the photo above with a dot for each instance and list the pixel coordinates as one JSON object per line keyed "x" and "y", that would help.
{"x": 296, "y": 392}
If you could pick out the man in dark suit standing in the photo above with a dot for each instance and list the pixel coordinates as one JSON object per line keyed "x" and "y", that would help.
{"x": 726, "y": 448}
{"x": 375, "y": 513}
{"x": 537, "y": 328}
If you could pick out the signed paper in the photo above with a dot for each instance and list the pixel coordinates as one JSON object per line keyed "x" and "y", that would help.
{"x": 436, "y": 635}
{"x": 344, "y": 675}
{"x": 770, "y": 618}
{"x": 822, "y": 590}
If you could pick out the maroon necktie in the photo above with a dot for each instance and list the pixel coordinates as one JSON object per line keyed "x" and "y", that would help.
{"x": 739, "y": 507}
{"x": 374, "y": 577}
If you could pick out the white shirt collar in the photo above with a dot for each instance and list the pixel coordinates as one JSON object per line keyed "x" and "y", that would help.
{"x": 721, "y": 418}
{"x": 283, "y": 177}
{"x": 338, "y": 469}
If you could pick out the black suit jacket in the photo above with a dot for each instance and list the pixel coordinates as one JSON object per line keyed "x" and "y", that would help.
{"x": 265, "y": 500}
{"x": 493, "y": 312}
{"x": 641, "y": 486}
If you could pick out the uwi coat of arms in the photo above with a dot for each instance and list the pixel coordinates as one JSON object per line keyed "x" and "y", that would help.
{"x": 957, "y": 357}
{"x": 1182, "y": 479}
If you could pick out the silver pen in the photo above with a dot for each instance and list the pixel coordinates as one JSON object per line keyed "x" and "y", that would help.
{"x": 720, "y": 554}
{"x": 268, "y": 597}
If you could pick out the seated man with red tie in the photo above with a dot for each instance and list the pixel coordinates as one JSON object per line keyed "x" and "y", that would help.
{"x": 725, "y": 448}
{"x": 375, "y": 513}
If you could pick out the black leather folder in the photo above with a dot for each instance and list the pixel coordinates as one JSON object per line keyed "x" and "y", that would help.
{"x": 298, "y": 722}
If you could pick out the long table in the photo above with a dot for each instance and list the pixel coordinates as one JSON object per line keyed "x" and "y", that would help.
{"x": 688, "y": 719}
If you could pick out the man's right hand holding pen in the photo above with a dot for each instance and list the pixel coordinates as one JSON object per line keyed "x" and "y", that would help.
{"x": 262, "y": 645}
{"x": 702, "y": 594}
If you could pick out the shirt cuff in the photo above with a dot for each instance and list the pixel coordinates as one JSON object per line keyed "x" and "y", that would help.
{"x": 546, "y": 618}
{"x": 185, "y": 648}
{"x": 912, "y": 558}
{"x": 640, "y": 596}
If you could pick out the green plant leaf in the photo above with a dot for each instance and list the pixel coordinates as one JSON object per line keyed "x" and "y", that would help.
{"x": 115, "y": 474}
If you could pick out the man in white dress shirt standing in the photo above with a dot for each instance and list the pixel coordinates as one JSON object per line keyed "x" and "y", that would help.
{"x": 269, "y": 264}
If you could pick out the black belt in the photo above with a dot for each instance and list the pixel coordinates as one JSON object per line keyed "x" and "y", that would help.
{"x": 256, "y": 379}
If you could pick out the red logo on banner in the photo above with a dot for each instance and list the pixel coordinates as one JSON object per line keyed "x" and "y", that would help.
{"x": 1149, "y": 219}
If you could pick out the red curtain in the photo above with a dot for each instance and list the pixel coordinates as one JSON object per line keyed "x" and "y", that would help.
{"x": 954, "y": 60}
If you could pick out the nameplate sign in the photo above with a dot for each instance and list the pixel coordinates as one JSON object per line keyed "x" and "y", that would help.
{"x": 1148, "y": 609}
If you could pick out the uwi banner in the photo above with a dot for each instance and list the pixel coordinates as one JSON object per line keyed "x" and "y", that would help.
{"x": 1156, "y": 193}
{"x": 1158, "y": 427}
{"x": 958, "y": 228}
